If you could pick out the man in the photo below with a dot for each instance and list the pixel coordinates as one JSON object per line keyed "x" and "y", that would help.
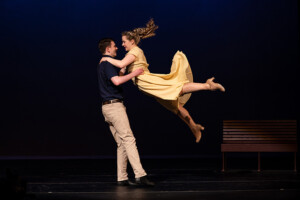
{"x": 110, "y": 78}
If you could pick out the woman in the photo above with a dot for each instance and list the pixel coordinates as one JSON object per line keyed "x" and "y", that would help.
{"x": 171, "y": 90}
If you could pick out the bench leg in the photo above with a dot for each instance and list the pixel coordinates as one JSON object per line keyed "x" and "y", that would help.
{"x": 223, "y": 161}
{"x": 258, "y": 162}
{"x": 295, "y": 162}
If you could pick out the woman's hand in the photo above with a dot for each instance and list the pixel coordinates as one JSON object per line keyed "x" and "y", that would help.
{"x": 138, "y": 71}
{"x": 103, "y": 59}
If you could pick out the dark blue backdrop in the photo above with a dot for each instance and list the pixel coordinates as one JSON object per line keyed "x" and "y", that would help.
{"x": 50, "y": 100}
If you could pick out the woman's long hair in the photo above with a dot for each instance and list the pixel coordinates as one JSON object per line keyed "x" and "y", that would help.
{"x": 141, "y": 33}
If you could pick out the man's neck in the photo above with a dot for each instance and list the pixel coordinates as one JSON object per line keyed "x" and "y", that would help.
{"x": 107, "y": 54}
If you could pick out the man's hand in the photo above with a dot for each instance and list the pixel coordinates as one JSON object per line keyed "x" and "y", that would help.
{"x": 138, "y": 71}
{"x": 122, "y": 71}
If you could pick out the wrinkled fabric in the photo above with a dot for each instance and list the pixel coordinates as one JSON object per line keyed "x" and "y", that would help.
{"x": 165, "y": 88}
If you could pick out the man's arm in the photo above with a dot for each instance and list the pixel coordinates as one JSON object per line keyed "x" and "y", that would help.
{"x": 118, "y": 80}
{"x": 122, "y": 71}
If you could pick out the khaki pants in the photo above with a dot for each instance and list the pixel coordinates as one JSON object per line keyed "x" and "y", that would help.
{"x": 115, "y": 115}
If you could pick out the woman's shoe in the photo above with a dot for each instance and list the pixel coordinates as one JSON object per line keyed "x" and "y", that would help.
{"x": 197, "y": 132}
{"x": 215, "y": 86}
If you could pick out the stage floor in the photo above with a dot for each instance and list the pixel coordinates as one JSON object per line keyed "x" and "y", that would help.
{"x": 186, "y": 179}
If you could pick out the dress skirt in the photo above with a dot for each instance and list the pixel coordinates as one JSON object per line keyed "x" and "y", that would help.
{"x": 166, "y": 88}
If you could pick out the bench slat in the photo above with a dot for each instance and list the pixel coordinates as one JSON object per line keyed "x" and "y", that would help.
{"x": 260, "y": 129}
{"x": 260, "y": 142}
{"x": 258, "y": 148}
{"x": 260, "y": 121}
{"x": 258, "y": 133}
{"x": 259, "y": 136}
{"x": 262, "y": 138}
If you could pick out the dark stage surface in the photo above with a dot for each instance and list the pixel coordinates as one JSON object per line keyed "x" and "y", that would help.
{"x": 198, "y": 178}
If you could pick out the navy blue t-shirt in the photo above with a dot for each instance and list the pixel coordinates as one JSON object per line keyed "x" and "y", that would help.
{"x": 108, "y": 90}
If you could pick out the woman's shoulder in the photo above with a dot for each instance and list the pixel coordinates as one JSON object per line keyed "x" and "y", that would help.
{"x": 136, "y": 48}
{"x": 136, "y": 51}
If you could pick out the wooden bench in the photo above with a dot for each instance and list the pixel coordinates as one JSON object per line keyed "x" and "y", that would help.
{"x": 259, "y": 136}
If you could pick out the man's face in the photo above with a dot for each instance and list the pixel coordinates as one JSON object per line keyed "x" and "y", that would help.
{"x": 112, "y": 50}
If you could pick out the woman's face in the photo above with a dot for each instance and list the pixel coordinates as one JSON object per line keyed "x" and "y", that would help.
{"x": 127, "y": 44}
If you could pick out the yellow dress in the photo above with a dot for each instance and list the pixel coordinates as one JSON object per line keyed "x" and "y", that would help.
{"x": 165, "y": 88}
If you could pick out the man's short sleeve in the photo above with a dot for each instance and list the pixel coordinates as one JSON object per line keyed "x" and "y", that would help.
{"x": 110, "y": 71}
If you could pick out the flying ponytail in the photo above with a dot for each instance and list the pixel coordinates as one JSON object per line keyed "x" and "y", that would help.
{"x": 141, "y": 33}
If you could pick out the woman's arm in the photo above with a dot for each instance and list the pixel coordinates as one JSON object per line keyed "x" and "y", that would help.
{"x": 127, "y": 60}
{"x": 122, "y": 71}
{"x": 118, "y": 80}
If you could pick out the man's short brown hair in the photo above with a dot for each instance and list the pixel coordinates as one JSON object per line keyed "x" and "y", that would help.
{"x": 103, "y": 43}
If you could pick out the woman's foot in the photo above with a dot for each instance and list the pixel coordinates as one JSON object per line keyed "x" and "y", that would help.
{"x": 197, "y": 132}
{"x": 215, "y": 86}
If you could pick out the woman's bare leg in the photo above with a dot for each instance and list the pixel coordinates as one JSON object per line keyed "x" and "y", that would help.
{"x": 195, "y": 128}
{"x": 184, "y": 114}
{"x": 209, "y": 85}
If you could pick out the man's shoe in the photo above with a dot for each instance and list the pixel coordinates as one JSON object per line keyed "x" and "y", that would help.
{"x": 143, "y": 181}
{"x": 125, "y": 183}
